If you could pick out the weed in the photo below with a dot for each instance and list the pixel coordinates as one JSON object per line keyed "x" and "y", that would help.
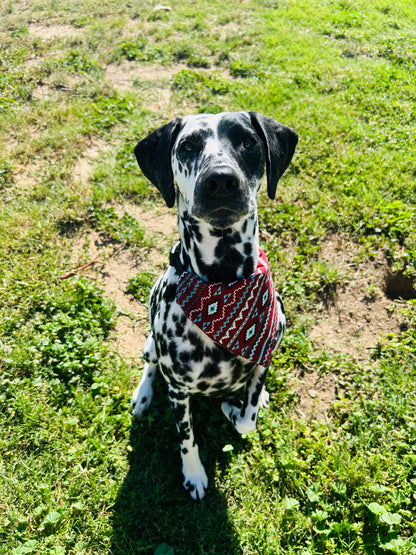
{"x": 6, "y": 173}
{"x": 140, "y": 285}
{"x": 105, "y": 112}
{"x": 326, "y": 278}
{"x": 133, "y": 50}
{"x": 77, "y": 61}
{"x": 123, "y": 229}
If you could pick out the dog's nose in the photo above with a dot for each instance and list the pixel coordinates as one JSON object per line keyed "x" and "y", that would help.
{"x": 221, "y": 184}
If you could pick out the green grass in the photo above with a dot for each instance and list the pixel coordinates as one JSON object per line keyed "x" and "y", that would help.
{"x": 77, "y": 474}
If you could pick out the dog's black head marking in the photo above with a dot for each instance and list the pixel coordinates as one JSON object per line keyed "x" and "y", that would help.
{"x": 153, "y": 157}
{"x": 280, "y": 142}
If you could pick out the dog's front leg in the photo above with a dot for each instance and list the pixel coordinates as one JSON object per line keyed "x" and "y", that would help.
{"x": 243, "y": 415}
{"x": 195, "y": 478}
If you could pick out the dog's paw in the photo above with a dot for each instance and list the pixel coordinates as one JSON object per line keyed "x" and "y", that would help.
{"x": 196, "y": 480}
{"x": 232, "y": 411}
{"x": 141, "y": 399}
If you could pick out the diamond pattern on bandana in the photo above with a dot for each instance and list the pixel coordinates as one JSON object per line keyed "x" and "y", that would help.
{"x": 212, "y": 308}
{"x": 250, "y": 332}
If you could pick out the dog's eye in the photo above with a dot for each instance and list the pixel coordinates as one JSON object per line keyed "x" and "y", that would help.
{"x": 188, "y": 146}
{"x": 248, "y": 142}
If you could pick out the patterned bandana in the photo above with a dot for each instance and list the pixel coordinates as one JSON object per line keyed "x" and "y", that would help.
{"x": 241, "y": 316}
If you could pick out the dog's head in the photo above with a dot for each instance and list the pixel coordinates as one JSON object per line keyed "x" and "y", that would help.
{"x": 217, "y": 162}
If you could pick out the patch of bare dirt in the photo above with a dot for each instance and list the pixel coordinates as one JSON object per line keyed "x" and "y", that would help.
{"x": 114, "y": 268}
{"x": 42, "y": 91}
{"x": 317, "y": 393}
{"x": 53, "y": 31}
{"x": 54, "y": 86}
{"x": 360, "y": 313}
{"x": 161, "y": 221}
{"x": 130, "y": 331}
{"x": 350, "y": 322}
{"x": 84, "y": 166}
{"x": 124, "y": 76}
{"x": 28, "y": 177}
{"x": 33, "y": 61}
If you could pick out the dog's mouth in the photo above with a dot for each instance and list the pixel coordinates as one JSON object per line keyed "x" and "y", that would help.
{"x": 222, "y": 217}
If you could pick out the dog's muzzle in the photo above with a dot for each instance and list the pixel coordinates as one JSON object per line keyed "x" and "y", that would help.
{"x": 221, "y": 198}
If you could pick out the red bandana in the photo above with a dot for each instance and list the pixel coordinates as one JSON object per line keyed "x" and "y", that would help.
{"x": 241, "y": 316}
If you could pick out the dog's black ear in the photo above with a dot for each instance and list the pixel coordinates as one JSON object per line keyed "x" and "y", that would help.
{"x": 279, "y": 142}
{"x": 153, "y": 156}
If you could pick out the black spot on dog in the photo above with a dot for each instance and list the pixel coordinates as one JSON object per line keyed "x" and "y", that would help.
{"x": 180, "y": 327}
{"x": 236, "y": 375}
{"x": 170, "y": 292}
{"x": 187, "y": 241}
{"x": 210, "y": 370}
{"x": 184, "y": 357}
{"x": 177, "y": 395}
{"x": 248, "y": 248}
{"x": 218, "y": 353}
{"x": 184, "y": 429}
{"x": 161, "y": 345}
{"x": 172, "y": 350}
{"x": 167, "y": 373}
{"x": 187, "y": 377}
{"x": 178, "y": 412}
{"x": 203, "y": 385}
{"x": 195, "y": 341}
{"x": 256, "y": 394}
{"x": 248, "y": 267}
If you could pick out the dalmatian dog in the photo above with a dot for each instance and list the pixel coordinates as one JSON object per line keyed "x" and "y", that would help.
{"x": 213, "y": 165}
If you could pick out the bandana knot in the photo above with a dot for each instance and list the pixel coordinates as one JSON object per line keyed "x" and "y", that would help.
{"x": 241, "y": 316}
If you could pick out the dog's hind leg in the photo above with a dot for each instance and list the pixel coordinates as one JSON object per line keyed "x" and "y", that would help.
{"x": 243, "y": 414}
{"x": 195, "y": 478}
{"x": 143, "y": 394}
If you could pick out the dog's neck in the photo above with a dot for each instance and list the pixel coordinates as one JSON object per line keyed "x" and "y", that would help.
{"x": 216, "y": 255}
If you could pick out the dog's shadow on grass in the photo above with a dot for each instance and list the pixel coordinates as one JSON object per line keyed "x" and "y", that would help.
{"x": 153, "y": 508}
